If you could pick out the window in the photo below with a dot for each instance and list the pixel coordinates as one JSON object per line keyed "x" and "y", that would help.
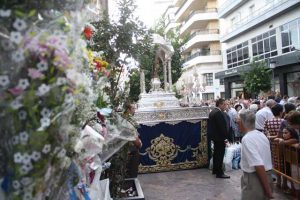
{"x": 223, "y": 95}
{"x": 208, "y": 96}
{"x": 222, "y": 81}
{"x": 233, "y": 21}
{"x": 238, "y": 55}
{"x": 293, "y": 83}
{"x": 209, "y": 79}
{"x": 290, "y": 36}
{"x": 264, "y": 45}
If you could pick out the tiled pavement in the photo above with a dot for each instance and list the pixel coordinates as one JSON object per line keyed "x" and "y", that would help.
{"x": 197, "y": 184}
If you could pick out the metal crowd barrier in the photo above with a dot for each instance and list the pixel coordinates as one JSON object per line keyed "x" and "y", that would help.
{"x": 285, "y": 159}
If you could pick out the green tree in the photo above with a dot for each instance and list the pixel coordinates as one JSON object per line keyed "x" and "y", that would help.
{"x": 134, "y": 83}
{"x": 119, "y": 41}
{"x": 258, "y": 78}
{"x": 160, "y": 26}
{"x": 127, "y": 37}
{"x": 146, "y": 62}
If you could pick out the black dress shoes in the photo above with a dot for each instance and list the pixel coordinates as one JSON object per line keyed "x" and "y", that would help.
{"x": 222, "y": 176}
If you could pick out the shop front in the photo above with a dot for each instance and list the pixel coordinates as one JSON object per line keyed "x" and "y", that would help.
{"x": 233, "y": 83}
{"x": 286, "y": 76}
{"x": 287, "y": 73}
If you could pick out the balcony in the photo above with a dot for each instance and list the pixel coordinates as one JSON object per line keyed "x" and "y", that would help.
{"x": 198, "y": 19}
{"x": 170, "y": 25}
{"x": 229, "y": 7}
{"x": 183, "y": 11}
{"x": 201, "y": 38}
{"x": 205, "y": 56}
{"x": 187, "y": 7}
{"x": 260, "y": 16}
{"x": 177, "y": 2}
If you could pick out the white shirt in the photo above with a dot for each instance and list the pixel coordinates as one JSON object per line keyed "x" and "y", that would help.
{"x": 261, "y": 116}
{"x": 255, "y": 152}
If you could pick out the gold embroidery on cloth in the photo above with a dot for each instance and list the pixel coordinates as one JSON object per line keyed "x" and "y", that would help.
{"x": 162, "y": 150}
{"x": 201, "y": 152}
{"x": 162, "y": 116}
{"x": 170, "y": 167}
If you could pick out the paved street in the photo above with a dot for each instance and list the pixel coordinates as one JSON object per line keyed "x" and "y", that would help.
{"x": 198, "y": 184}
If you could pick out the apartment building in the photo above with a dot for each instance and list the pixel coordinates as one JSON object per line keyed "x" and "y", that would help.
{"x": 198, "y": 20}
{"x": 260, "y": 30}
{"x": 96, "y": 7}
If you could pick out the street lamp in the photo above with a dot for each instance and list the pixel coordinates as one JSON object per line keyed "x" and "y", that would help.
{"x": 272, "y": 65}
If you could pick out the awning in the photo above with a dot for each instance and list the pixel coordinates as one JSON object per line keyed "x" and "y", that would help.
{"x": 232, "y": 72}
{"x": 287, "y": 59}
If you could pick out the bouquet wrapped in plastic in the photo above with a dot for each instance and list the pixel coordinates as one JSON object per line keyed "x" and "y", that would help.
{"x": 39, "y": 79}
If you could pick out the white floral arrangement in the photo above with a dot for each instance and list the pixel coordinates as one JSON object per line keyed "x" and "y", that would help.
{"x": 50, "y": 86}
{"x": 40, "y": 81}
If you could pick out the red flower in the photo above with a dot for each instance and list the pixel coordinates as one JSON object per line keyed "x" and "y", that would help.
{"x": 98, "y": 65}
{"x": 88, "y": 32}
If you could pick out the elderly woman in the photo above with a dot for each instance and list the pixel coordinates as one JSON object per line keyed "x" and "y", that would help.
{"x": 271, "y": 127}
{"x": 288, "y": 109}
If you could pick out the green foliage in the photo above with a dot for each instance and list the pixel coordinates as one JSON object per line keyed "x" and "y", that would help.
{"x": 160, "y": 26}
{"x": 258, "y": 78}
{"x": 119, "y": 40}
{"x": 134, "y": 83}
{"x": 100, "y": 102}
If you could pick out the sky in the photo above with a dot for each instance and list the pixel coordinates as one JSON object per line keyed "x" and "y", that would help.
{"x": 148, "y": 10}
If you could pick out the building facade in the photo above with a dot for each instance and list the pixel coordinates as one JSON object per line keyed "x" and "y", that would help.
{"x": 96, "y": 8}
{"x": 198, "y": 24}
{"x": 260, "y": 30}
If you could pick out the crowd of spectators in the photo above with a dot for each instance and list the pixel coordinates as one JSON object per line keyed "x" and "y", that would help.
{"x": 279, "y": 119}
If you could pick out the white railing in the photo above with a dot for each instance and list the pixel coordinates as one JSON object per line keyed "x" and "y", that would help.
{"x": 203, "y": 32}
{"x": 207, "y": 10}
{"x": 204, "y": 52}
{"x": 181, "y": 7}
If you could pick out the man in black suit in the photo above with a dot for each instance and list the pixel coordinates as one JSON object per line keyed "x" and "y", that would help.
{"x": 219, "y": 132}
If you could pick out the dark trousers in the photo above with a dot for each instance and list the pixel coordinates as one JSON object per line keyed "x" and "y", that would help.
{"x": 133, "y": 164}
{"x": 219, "y": 151}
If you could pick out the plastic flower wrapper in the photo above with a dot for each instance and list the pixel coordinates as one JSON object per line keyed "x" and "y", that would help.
{"x": 119, "y": 132}
{"x": 39, "y": 82}
{"x": 90, "y": 143}
{"x": 88, "y": 146}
